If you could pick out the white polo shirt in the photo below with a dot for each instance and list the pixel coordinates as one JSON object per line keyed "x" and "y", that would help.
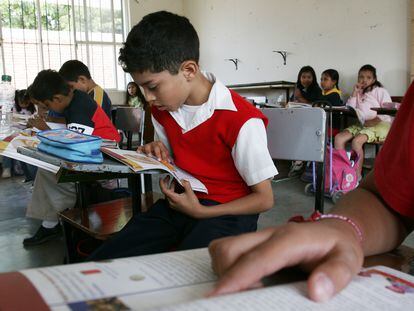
{"x": 250, "y": 153}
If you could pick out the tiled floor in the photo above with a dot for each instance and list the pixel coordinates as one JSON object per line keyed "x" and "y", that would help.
{"x": 290, "y": 199}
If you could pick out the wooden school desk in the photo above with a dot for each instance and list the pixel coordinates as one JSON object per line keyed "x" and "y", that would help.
{"x": 83, "y": 174}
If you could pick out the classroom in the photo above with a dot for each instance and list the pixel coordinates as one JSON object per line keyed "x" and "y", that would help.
{"x": 206, "y": 155}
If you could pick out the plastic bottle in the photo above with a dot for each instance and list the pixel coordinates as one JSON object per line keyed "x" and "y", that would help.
{"x": 6, "y": 105}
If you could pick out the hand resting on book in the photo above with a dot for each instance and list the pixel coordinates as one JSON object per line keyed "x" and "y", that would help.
{"x": 325, "y": 248}
{"x": 157, "y": 149}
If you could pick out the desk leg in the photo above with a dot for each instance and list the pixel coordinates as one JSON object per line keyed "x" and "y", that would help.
{"x": 70, "y": 244}
{"x": 134, "y": 185}
{"x": 83, "y": 202}
{"x": 129, "y": 140}
{"x": 148, "y": 183}
{"x": 320, "y": 185}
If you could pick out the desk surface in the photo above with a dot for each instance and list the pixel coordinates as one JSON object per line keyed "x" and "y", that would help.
{"x": 387, "y": 111}
{"x": 271, "y": 84}
{"x": 83, "y": 172}
{"x": 108, "y": 165}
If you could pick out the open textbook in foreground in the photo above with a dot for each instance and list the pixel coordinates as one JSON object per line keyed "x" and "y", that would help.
{"x": 180, "y": 281}
{"x": 140, "y": 162}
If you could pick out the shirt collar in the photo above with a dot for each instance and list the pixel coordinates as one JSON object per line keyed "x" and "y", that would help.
{"x": 219, "y": 99}
{"x": 334, "y": 90}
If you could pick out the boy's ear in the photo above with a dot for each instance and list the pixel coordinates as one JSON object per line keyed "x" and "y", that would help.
{"x": 189, "y": 69}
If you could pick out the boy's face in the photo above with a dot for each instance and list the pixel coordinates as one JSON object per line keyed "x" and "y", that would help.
{"x": 57, "y": 104}
{"x": 164, "y": 90}
{"x": 81, "y": 84}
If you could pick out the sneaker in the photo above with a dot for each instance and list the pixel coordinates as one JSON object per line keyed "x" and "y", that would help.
{"x": 6, "y": 173}
{"x": 43, "y": 235}
{"x": 296, "y": 168}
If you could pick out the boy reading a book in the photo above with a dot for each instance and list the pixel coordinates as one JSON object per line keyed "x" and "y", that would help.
{"x": 375, "y": 218}
{"x": 83, "y": 115}
{"x": 78, "y": 77}
{"x": 207, "y": 130}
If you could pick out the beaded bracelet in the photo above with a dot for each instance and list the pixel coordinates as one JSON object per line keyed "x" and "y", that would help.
{"x": 318, "y": 216}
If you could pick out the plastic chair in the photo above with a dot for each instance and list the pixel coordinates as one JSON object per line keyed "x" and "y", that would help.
{"x": 130, "y": 120}
{"x": 299, "y": 134}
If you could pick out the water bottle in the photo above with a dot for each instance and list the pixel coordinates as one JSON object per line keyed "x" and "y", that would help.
{"x": 6, "y": 105}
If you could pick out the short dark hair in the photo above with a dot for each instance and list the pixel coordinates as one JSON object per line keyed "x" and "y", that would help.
{"x": 160, "y": 41}
{"x": 48, "y": 83}
{"x": 333, "y": 74}
{"x": 72, "y": 69}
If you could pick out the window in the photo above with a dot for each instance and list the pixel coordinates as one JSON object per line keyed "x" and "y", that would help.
{"x": 43, "y": 34}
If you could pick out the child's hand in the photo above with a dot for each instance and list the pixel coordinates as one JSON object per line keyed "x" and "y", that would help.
{"x": 185, "y": 202}
{"x": 326, "y": 248}
{"x": 38, "y": 123}
{"x": 157, "y": 149}
{"x": 357, "y": 89}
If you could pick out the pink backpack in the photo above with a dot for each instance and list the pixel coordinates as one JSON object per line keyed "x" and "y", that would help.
{"x": 344, "y": 171}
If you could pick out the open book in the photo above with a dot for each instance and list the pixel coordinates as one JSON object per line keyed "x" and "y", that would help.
{"x": 9, "y": 145}
{"x": 140, "y": 162}
{"x": 180, "y": 281}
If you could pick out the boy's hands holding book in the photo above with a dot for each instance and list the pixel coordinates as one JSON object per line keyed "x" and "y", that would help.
{"x": 325, "y": 248}
{"x": 185, "y": 202}
{"x": 157, "y": 149}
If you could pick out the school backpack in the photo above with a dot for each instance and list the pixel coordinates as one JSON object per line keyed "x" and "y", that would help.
{"x": 343, "y": 170}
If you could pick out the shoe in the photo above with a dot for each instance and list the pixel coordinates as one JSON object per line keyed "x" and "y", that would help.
{"x": 296, "y": 168}
{"x": 6, "y": 173}
{"x": 43, "y": 235}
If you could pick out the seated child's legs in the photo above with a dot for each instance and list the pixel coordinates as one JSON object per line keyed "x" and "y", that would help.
{"x": 357, "y": 145}
{"x": 342, "y": 138}
{"x": 147, "y": 233}
{"x": 163, "y": 229}
{"x": 49, "y": 197}
{"x": 377, "y": 133}
{"x": 206, "y": 230}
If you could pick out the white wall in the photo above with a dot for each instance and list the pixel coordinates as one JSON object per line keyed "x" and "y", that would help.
{"x": 140, "y": 8}
{"x": 323, "y": 33}
{"x": 137, "y": 10}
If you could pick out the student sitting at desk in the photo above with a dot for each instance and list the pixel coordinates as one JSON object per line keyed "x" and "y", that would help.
{"x": 208, "y": 130}
{"x": 373, "y": 219}
{"x": 82, "y": 114}
{"x": 368, "y": 93}
{"x": 332, "y": 94}
{"x": 23, "y": 106}
{"x": 307, "y": 89}
{"x": 78, "y": 76}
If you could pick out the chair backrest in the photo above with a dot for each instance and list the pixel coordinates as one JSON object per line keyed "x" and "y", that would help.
{"x": 296, "y": 133}
{"x": 129, "y": 119}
